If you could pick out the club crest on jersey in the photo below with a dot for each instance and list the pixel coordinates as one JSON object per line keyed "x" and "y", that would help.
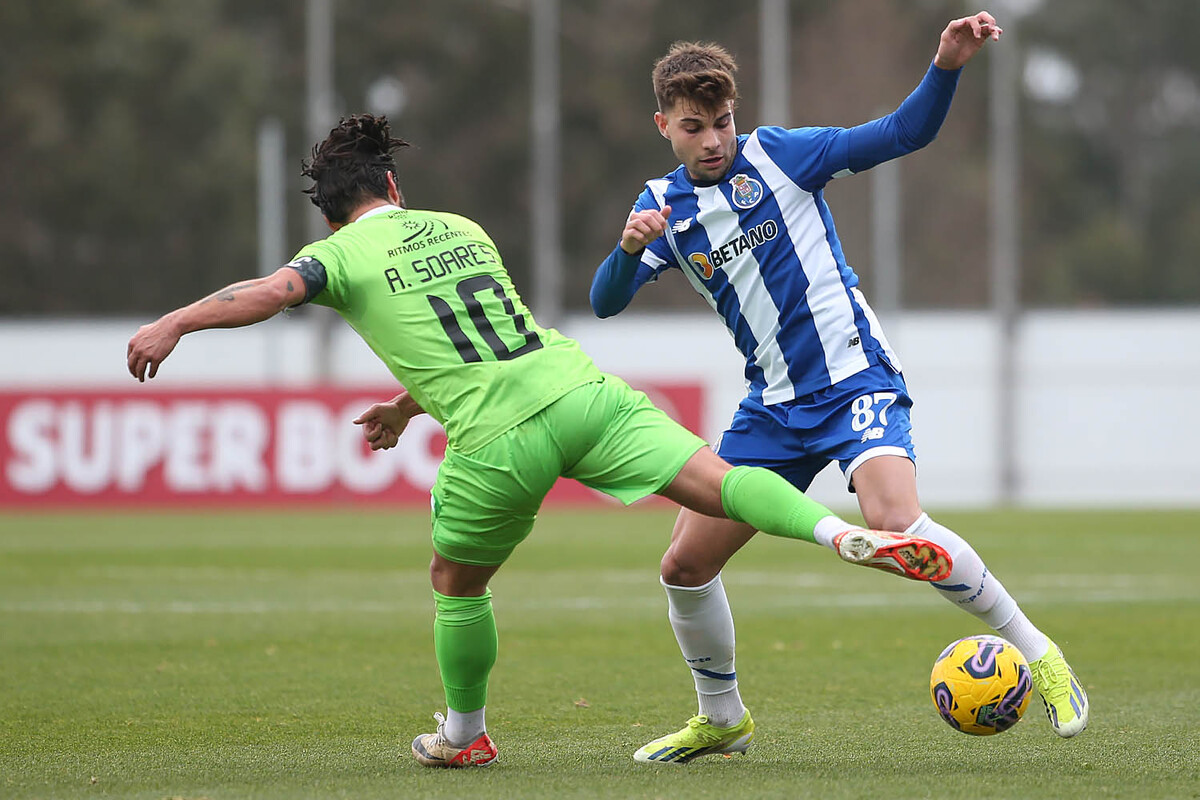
{"x": 746, "y": 190}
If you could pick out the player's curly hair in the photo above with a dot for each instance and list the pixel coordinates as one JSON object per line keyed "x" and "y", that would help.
{"x": 699, "y": 72}
{"x": 351, "y": 165}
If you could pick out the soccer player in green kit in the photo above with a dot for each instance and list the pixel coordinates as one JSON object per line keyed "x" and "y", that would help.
{"x": 521, "y": 405}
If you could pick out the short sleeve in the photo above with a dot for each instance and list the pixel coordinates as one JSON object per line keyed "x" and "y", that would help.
{"x": 312, "y": 272}
{"x": 328, "y": 256}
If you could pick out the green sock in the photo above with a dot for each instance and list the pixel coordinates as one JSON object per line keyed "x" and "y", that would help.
{"x": 464, "y": 640}
{"x": 761, "y": 498}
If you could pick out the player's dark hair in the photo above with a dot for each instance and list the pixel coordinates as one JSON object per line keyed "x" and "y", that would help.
{"x": 698, "y": 72}
{"x": 351, "y": 165}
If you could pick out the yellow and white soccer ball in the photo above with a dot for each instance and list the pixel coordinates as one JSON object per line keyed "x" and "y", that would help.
{"x": 981, "y": 685}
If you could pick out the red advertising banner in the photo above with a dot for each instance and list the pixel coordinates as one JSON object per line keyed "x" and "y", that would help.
{"x": 141, "y": 447}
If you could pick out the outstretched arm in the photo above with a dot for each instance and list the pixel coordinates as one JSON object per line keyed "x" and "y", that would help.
{"x": 234, "y": 306}
{"x": 384, "y": 422}
{"x": 915, "y": 123}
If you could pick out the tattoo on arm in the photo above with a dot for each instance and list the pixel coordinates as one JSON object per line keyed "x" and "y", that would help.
{"x": 227, "y": 294}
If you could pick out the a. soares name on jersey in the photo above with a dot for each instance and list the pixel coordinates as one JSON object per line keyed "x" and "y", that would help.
{"x": 443, "y": 262}
{"x": 705, "y": 263}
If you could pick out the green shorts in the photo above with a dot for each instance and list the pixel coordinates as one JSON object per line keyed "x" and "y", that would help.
{"x": 605, "y": 435}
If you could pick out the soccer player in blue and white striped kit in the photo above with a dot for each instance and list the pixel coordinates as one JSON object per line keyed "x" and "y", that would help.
{"x": 745, "y": 220}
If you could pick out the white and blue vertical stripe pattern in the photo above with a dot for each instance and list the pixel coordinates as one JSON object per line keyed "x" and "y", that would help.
{"x": 788, "y": 299}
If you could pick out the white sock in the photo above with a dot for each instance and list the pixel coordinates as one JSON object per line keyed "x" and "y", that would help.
{"x": 1032, "y": 643}
{"x": 703, "y": 626}
{"x": 463, "y": 728}
{"x": 974, "y": 589}
{"x": 829, "y": 527}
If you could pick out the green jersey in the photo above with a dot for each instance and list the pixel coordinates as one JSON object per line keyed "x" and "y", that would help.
{"x": 429, "y": 294}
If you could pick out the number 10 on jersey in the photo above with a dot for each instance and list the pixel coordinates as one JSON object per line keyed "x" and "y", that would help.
{"x": 466, "y": 291}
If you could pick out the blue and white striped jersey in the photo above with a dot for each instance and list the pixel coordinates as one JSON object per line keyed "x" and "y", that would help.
{"x": 761, "y": 247}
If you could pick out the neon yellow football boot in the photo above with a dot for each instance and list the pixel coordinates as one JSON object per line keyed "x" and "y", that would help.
{"x": 698, "y": 738}
{"x": 1063, "y": 695}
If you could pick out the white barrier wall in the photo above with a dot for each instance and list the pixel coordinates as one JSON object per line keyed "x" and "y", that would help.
{"x": 1106, "y": 409}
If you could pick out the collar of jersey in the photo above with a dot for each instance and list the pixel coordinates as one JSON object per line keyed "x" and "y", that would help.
{"x": 377, "y": 211}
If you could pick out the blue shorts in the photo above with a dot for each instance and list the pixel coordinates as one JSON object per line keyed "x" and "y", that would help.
{"x": 864, "y": 416}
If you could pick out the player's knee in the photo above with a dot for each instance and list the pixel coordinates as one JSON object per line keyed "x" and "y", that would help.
{"x": 681, "y": 567}
{"x": 457, "y": 580}
{"x": 892, "y": 519}
{"x": 437, "y": 574}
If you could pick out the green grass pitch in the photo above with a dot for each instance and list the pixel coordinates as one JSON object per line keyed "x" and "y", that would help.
{"x": 266, "y": 655}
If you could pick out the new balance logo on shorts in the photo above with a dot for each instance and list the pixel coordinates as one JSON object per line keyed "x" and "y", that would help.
{"x": 872, "y": 433}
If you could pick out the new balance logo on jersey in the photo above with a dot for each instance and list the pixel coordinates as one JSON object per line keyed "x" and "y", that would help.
{"x": 681, "y": 225}
{"x": 854, "y": 341}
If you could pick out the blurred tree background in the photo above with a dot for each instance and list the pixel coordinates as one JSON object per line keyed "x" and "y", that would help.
{"x": 128, "y": 136}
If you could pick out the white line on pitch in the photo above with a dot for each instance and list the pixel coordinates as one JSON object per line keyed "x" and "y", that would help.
{"x": 561, "y": 604}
